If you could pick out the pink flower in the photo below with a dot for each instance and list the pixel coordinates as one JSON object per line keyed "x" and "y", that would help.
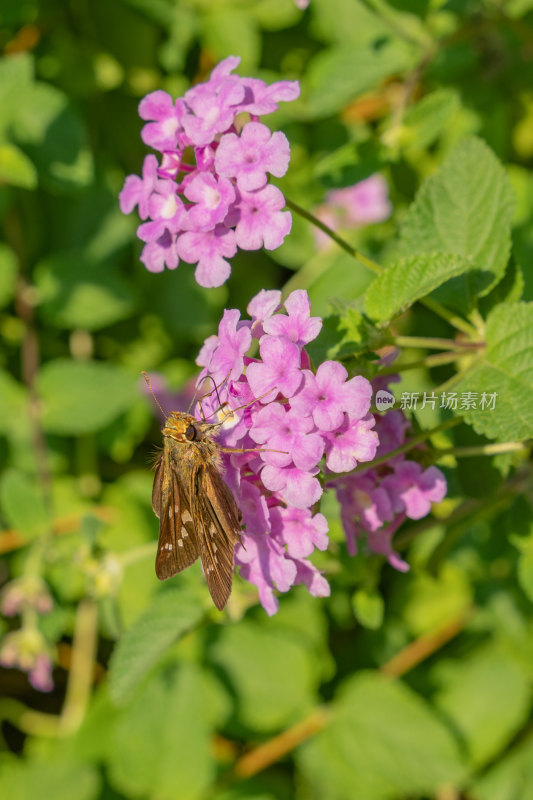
{"x": 249, "y": 157}
{"x": 40, "y": 676}
{"x": 211, "y": 177}
{"x": 212, "y": 197}
{"x": 26, "y": 649}
{"x": 137, "y": 191}
{"x": 167, "y": 212}
{"x": 160, "y": 253}
{"x": 261, "y": 308}
{"x": 413, "y": 490}
{"x": 327, "y": 395}
{"x": 263, "y": 99}
{"x": 258, "y": 219}
{"x": 316, "y": 584}
{"x": 211, "y": 111}
{"x": 289, "y": 433}
{"x": 296, "y": 487}
{"x": 380, "y": 541}
{"x": 300, "y": 530}
{"x": 264, "y": 563}
{"x": 363, "y": 203}
{"x": 162, "y": 132}
{"x": 353, "y": 441}
{"x": 276, "y": 491}
{"x": 233, "y": 341}
{"x": 298, "y": 326}
{"x": 210, "y": 249}
{"x": 279, "y": 369}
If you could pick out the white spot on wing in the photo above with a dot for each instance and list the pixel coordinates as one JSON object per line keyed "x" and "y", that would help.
{"x": 186, "y": 517}
{"x": 180, "y": 542}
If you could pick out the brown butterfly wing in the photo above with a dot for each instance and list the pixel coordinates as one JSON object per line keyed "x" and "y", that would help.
{"x": 177, "y": 547}
{"x": 218, "y": 532}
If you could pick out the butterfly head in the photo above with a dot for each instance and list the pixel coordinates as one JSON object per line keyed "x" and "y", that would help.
{"x": 186, "y": 428}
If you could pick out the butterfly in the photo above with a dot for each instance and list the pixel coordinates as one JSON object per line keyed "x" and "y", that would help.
{"x": 198, "y": 515}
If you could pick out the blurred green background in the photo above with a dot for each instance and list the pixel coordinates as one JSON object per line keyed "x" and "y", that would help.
{"x": 387, "y": 87}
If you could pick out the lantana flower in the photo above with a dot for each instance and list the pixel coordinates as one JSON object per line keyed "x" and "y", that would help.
{"x": 375, "y": 502}
{"x": 291, "y": 418}
{"x": 363, "y": 203}
{"x": 296, "y": 432}
{"x": 209, "y": 194}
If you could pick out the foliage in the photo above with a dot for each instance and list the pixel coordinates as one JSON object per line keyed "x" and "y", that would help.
{"x": 397, "y": 685}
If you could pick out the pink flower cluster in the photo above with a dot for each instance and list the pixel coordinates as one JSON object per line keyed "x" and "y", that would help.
{"x": 26, "y": 649}
{"x": 363, "y": 203}
{"x": 375, "y": 502}
{"x": 293, "y": 418}
{"x": 210, "y": 194}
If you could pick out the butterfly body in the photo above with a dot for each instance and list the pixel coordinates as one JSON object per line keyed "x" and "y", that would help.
{"x": 198, "y": 515}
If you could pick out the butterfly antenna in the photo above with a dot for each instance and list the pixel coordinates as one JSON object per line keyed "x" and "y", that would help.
{"x": 246, "y": 405}
{"x": 208, "y": 394}
{"x": 147, "y": 379}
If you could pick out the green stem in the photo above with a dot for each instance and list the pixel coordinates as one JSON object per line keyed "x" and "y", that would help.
{"x": 367, "y": 262}
{"x": 27, "y": 720}
{"x": 420, "y": 437}
{"x": 81, "y": 668}
{"x": 482, "y": 450}
{"x": 428, "y": 361}
{"x": 435, "y": 343}
{"x": 449, "y": 316}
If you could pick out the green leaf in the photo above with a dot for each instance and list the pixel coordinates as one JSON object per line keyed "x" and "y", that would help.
{"x": 465, "y": 209}
{"x": 425, "y": 121}
{"x": 383, "y": 741}
{"x": 22, "y": 504}
{"x": 505, "y": 367}
{"x": 13, "y": 404}
{"x": 16, "y": 169}
{"x": 162, "y": 743}
{"x": 83, "y": 397}
{"x": 274, "y": 15}
{"x": 368, "y": 608}
{"x": 60, "y": 780}
{"x": 338, "y": 75}
{"x": 270, "y": 672}
{"x": 228, "y": 30}
{"x": 339, "y": 21}
{"x": 521, "y": 535}
{"x": 76, "y": 293}
{"x": 406, "y": 281}
{"x": 171, "y": 613}
{"x": 8, "y": 274}
{"x": 485, "y": 727}
{"x": 16, "y": 77}
{"x": 427, "y": 602}
{"x": 350, "y": 163}
{"x": 342, "y": 335}
{"x": 52, "y": 134}
{"x": 339, "y": 278}
{"x": 509, "y": 779}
